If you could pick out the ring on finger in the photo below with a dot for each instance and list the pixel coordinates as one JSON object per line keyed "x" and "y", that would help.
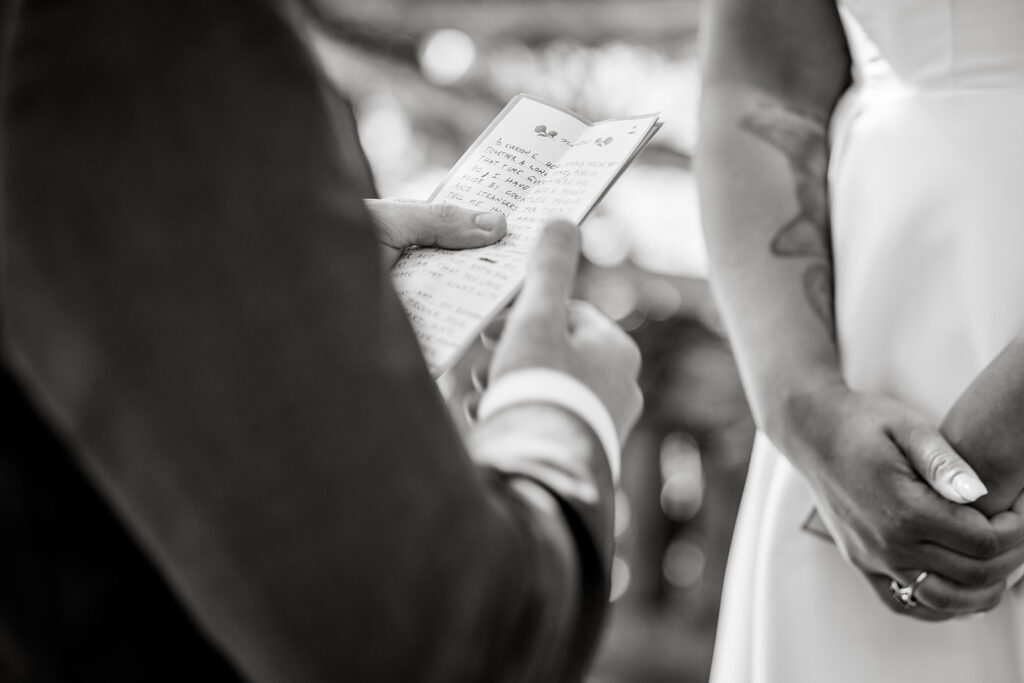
{"x": 904, "y": 594}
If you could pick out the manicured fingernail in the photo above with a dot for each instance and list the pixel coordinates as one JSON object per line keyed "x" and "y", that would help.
{"x": 489, "y": 221}
{"x": 968, "y": 486}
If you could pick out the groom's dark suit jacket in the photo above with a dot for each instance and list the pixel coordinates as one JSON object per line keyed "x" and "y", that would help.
{"x": 221, "y": 455}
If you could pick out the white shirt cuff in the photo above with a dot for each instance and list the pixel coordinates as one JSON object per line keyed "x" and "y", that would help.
{"x": 543, "y": 385}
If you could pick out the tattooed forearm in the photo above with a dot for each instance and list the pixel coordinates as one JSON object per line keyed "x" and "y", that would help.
{"x": 801, "y": 138}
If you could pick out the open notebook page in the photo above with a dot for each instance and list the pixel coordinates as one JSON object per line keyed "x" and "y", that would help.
{"x": 534, "y": 162}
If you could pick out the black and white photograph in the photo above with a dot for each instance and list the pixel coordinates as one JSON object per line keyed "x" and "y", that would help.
{"x": 511, "y": 341}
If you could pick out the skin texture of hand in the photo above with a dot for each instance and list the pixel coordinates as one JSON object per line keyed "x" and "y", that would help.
{"x": 545, "y": 329}
{"x": 405, "y": 223}
{"x": 864, "y": 457}
{"x": 939, "y": 599}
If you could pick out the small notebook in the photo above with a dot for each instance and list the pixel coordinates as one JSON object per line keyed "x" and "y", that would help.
{"x": 535, "y": 161}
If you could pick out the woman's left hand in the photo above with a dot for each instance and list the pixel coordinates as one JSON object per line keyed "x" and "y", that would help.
{"x": 405, "y": 223}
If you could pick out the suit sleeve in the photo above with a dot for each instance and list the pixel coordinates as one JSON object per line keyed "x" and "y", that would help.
{"x": 192, "y": 295}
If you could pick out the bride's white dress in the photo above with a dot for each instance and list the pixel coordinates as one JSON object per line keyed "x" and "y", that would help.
{"x": 927, "y": 191}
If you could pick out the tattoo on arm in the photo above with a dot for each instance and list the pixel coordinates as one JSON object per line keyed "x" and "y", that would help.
{"x": 801, "y": 138}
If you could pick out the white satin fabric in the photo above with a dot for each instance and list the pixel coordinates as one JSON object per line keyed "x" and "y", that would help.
{"x": 927, "y": 193}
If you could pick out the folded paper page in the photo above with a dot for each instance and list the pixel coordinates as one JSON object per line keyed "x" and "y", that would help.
{"x": 534, "y": 162}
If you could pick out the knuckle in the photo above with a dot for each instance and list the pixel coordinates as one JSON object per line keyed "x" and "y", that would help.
{"x": 935, "y": 461}
{"x": 980, "y": 575}
{"x": 445, "y": 213}
{"x": 915, "y": 526}
{"x": 986, "y": 546}
{"x": 1012, "y": 536}
{"x": 889, "y": 552}
{"x": 892, "y": 534}
{"x": 897, "y": 554}
{"x": 416, "y": 231}
{"x": 940, "y": 466}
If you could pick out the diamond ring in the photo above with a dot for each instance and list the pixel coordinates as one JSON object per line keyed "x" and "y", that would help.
{"x": 905, "y": 594}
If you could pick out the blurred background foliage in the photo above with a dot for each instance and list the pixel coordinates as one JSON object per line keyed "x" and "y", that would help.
{"x": 425, "y": 77}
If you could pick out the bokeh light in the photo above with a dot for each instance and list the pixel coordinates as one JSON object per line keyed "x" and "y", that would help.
{"x": 621, "y": 576}
{"x": 446, "y": 56}
{"x": 385, "y": 132}
{"x": 684, "y": 563}
{"x": 683, "y": 491}
{"x": 616, "y": 297}
{"x": 623, "y": 512}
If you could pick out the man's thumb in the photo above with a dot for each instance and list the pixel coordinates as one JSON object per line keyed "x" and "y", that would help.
{"x": 404, "y": 223}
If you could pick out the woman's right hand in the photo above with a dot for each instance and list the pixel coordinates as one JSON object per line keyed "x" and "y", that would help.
{"x": 874, "y": 466}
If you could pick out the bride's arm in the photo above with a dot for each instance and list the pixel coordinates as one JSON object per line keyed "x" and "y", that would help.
{"x": 773, "y": 70}
{"x": 761, "y": 169}
{"x": 986, "y": 425}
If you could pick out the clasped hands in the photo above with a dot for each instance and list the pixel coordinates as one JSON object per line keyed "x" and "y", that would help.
{"x": 894, "y": 496}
